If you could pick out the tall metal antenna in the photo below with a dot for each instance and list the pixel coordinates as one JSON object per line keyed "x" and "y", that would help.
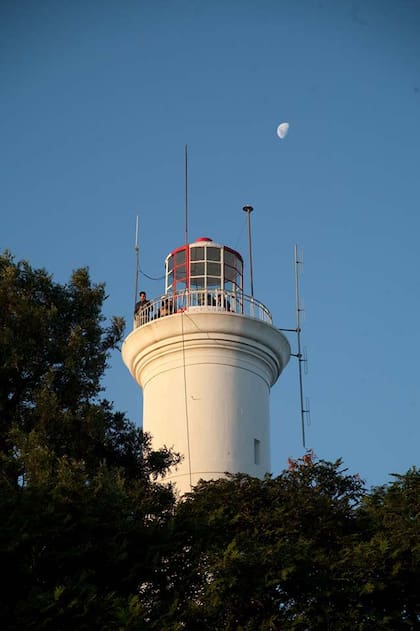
{"x": 248, "y": 210}
{"x": 186, "y": 194}
{"x": 302, "y": 359}
{"x": 136, "y": 248}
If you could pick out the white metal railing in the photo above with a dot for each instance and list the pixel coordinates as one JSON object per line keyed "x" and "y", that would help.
{"x": 211, "y": 300}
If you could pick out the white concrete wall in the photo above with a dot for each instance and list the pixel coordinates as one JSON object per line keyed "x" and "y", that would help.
{"x": 206, "y": 379}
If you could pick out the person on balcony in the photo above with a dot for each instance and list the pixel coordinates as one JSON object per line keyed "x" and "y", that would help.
{"x": 166, "y": 307}
{"x": 143, "y": 309}
{"x": 222, "y": 301}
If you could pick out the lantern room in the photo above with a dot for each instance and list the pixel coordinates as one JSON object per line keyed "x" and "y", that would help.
{"x": 204, "y": 266}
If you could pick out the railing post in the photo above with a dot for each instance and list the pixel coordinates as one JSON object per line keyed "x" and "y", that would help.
{"x": 252, "y": 308}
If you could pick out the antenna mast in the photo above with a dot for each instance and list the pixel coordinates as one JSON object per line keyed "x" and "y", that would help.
{"x": 136, "y": 248}
{"x": 186, "y": 194}
{"x": 300, "y": 357}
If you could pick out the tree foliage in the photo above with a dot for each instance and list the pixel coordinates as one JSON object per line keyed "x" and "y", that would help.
{"x": 268, "y": 554}
{"x": 311, "y": 549}
{"x": 90, "y": 539}
{"x": 81, "y": 522}
{"x": 54, "y": 352}
{"x": 388, "y": 558}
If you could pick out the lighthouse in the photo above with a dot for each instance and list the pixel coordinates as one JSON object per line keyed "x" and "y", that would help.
{"x": 206, "y": 355}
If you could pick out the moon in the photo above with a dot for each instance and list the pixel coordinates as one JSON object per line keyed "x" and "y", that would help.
{"x": 282, "y": 130}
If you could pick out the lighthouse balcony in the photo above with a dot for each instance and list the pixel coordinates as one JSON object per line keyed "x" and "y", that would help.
{"x": 210, "y": 301}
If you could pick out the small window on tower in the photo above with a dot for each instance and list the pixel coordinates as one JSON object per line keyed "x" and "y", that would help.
{"x": 257, "y": 451}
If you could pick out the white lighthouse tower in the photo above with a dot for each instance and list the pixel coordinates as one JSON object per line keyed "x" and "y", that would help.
{"x": 206, "y": 355}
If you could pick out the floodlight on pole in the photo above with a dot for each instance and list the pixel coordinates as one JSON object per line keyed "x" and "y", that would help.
{"x": 248, "y": 210}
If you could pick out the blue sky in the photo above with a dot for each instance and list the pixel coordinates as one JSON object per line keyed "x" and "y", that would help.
{"x": 97, "y": 102}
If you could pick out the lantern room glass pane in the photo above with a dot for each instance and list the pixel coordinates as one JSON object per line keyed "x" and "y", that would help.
{"x": 229, "y": 258}
{"x": 197, "y": 254}
{"x": 213, "y": 281}
{"x": 180, "y": 257}
{"x": 180, "y": 272}
{"x": 170, "y": 263}
{"x": 197, "y": 269}
{"x": 197, "y": 282}
{"x": 230, "y": 273}
{"x": 213, "y": 269}
{"x": 213, "y": 254}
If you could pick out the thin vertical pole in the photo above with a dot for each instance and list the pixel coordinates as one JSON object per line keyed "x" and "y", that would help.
{"x": 136, "y": 248}
{"x": 186, "y": 195}
{"x": 248, "y": 210}
{"x": 187, "y": 294}
{"x": 299, "y": 352}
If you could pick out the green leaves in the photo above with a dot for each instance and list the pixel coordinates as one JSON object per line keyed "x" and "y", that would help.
{"x": 81, "y": 524}
{"x": 300, "y": 551}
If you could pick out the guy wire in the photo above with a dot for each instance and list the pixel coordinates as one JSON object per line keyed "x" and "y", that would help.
{"x": 186, "y": 400}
